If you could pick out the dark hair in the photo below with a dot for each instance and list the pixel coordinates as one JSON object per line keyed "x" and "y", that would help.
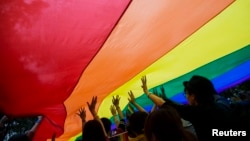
{"x": 202, "y": 88}
{"x": 19, "y": 137}
{"x": 122, "y": 124}
{"x": 165, "y": 124}
{"x": 137, "y": 121}
{"x": 92, "y": 131}
{"x": 107, "y": 124}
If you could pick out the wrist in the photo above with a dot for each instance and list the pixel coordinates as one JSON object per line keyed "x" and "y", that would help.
{"x": 93, "y": 112}
{"x": 96, "y": 116}
{"x": 148, "y": 94}
{"x": 133, "y": 102}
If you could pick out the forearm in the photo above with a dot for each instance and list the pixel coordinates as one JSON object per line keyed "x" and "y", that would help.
{"x": 32, "y": 131}
{"x": 103, "y": 128}
{"x": 34, "y": 128}
{"x": 138, "y": 107}
{"x": 116, "y": 120}
{"x": 185, "y": 111}
{"x": 83, "y": 123}
{"x": 158, "y": 101}
{"x": 131, "y": 109}
{"x": 96, "y": 117}
{"x": 118, "y": 109}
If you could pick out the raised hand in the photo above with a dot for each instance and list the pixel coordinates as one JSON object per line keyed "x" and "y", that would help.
{"x": 116, "y": 100}
{"x": 92, "y": 105}
{"x": 144, "y": 85}
{"x": 131, "y": 98}
{"x": 82, "y": 114}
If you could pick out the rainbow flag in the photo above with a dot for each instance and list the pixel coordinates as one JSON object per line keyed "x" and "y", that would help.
{"x": 49, "y": 56}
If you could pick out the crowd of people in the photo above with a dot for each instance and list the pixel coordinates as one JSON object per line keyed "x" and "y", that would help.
{"x": 206, "y": 116}
{"x": 205, "y": 113}
{"x": 28, "y": 135}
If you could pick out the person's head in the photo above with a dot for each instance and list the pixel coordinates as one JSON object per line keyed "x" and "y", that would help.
{"x": 199, "y": 90}
{"x": 136, "y": 123}
{"x": 122, "y": 125}
{"x": 107, "y": 125}
{"x": 92, "y": 131}
{"x": 165, "y": 124}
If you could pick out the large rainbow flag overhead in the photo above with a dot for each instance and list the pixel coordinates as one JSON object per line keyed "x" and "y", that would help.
{"x": 56, "y": 55}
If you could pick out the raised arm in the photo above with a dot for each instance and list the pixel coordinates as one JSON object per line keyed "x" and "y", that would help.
{"x": 156, "y": 99}
{"x": 94, "y": 113}
{"x": 129, "y": 111}
{"x": 114, "y": 113}
{"x": 32, "y": 131}
{"x": 82, "y": 114}
{"x": 131, "y": 108}
{"x": 185, "y": 111}
{"x": 131, "y": 99}
{"x": 116, "y": 101}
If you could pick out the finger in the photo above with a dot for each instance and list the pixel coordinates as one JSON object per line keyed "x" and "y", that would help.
{"x": 132, "y": 95}
{"x": 79, "y": 110}
{"x": 129, "y": 94}
{"x": 95, "y": 101}
{"x": 143, "y": 78}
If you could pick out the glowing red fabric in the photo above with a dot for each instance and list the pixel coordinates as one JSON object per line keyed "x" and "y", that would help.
{"x": 44, "y": 48}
